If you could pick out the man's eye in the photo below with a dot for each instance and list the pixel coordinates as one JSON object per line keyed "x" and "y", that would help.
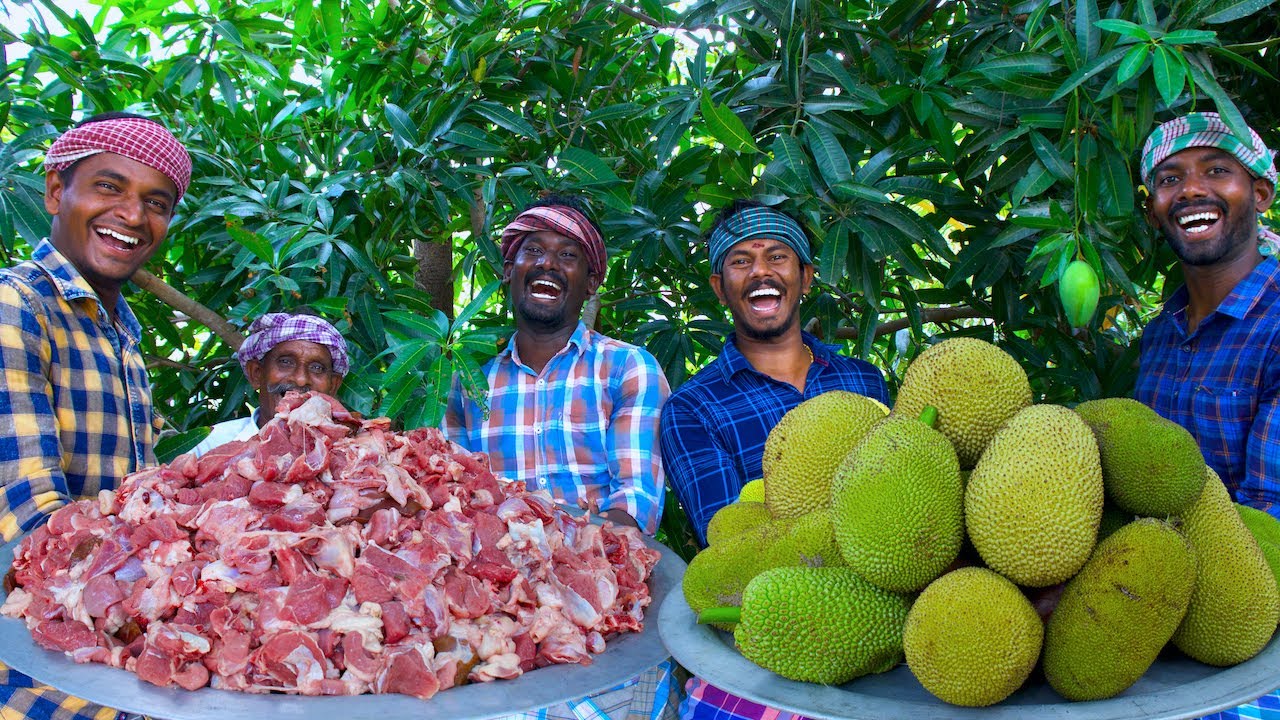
{"x": 1166, "y": 179}
{"x": 159, "y": 205}
{"x": 317, "y": 369}
{"x": 108, "y": 186}
{"x": 284, "y": 362}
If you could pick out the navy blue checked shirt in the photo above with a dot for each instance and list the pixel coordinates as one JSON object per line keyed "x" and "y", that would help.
{"x": 1221, "y": 382}
{"x": 714, "y": 426}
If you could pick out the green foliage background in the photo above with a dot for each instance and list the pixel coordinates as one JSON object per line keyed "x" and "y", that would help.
{"x": 950, "y": 157}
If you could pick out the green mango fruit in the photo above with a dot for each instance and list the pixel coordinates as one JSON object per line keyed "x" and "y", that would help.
{"x": 1079, "y": 290}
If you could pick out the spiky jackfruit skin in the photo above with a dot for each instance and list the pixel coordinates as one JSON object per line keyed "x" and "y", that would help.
{"x": 752, "y": 491}
{"x": 718, "y": 574}
{"x": 972, "y": 637}
{"x": 1113, "y": 518}
{"x": 1119, "y": 611}
{"x": 809, "y": 541}
{"x": 805, "y": 447}
{"x": 820, "y": 625}
{"x": 1034, "y": 501}
{"x": 975, "y": 386}
{"x": 736, "y": 518}
{"x": 1235, "y": 605}
{"x": 1266, "y": 530}
{"x": 897, "y": 504}
{"x": 1150, "y": 466}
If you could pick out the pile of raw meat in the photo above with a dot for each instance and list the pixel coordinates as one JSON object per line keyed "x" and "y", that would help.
{"x": 328, "y": 555}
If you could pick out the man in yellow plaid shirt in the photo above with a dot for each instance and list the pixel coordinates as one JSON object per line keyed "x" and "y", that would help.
{"x": 75, "y": 402}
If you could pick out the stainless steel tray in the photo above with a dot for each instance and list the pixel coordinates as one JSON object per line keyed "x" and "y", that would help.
{"x": 625, "y": 657}
{"x": 1174, "y": 687}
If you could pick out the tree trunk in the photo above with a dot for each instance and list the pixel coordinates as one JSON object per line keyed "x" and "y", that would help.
{"x": 435, "y": 273}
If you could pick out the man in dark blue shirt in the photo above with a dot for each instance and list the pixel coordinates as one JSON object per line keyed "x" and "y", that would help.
{"x": 1211, "y": 361}
{"x": 714, "y": 427}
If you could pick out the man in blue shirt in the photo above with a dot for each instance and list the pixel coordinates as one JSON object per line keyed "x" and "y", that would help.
{"x": 1209, "y": 362}
{"x": 714, "y": 427}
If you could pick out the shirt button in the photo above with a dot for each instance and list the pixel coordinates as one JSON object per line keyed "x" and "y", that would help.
{"x": 541, "y": 382}
{"x": 537, "y": 427}
{"x": 1186, "y": 348}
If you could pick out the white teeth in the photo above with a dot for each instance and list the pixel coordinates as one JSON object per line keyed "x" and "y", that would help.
{"x": 122, "y": 238}
{"x": 547, "y": 283}
{"x": 1197, "y": 217}
{"x": 762, "y": 292}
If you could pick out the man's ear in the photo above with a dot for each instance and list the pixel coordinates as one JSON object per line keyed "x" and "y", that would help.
{"x": 506, "y": 271}
{"x": 809, "y": 271}
{"x": 1264, "y": 192}
{"x": 53, "y": 188}
{"x": 593, "y": 284}
{"x": 717, "y": 287}
{"x": 254, "y": 371}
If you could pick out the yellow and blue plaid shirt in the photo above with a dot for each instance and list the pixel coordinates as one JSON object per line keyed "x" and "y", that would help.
{"x": 75, "y": 418}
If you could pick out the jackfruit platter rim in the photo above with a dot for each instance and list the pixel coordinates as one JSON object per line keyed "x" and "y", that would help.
{"x": 625, "y": 656}
{"x": 1174, "y": 687}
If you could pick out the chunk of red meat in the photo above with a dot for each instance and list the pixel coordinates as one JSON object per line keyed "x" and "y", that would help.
{"x": 215, "y": 462}
{"x": 64, "y": 635}
{"x": 100, "y": 593}
{"x": 466, "y": 596}
{"x": 293, "y": 659}
{"x": 358, "y": 659}
{"x": 395, "y": 622}
{"x": 312, "y": 597}
{"x": 492, "y": 565}
{"x": 406, "y": 671}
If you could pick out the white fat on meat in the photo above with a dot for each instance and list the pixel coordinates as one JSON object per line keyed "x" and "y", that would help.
{"x": 107, "y": 504}
{"x": 141, "y": 506}
{"x": 527, "y": 538}
{"x": 69, "y": 593}
{"x": 347, "y": 618}
{"x": 17, "y": 603}
{"x": 497, "y": 667}
{"x": 221, "y": 573}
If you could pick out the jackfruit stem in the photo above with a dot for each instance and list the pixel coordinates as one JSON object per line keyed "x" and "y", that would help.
{"x": 929, "y": 415}
{"x": 720, "y": 615}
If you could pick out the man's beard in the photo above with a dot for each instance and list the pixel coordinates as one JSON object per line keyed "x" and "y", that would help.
{"x": 280, "y": 388}
{"x": 540, "y": 315}
{"x": 1241, "y": 230}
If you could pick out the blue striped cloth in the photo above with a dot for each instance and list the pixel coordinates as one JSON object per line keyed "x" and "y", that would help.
{"x": 1222, "y": 382}
{"x": 1266, "y": 707}
{"x": 715, "y": 425}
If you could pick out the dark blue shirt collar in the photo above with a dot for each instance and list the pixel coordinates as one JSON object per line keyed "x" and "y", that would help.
{"x": 732, "y": 361}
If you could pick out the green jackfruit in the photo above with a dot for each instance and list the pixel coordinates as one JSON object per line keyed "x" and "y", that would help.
{"x": 718, "y": 574}
{"x": 1113, "y": 518}
{"x": 818, "y": 625}
{"x": 1266, "y": 530}
{"x": 972, "y": 637}
{"x": 736, "y": 518}
{"x": 1150, "y": 466}
{"x": 898, "y": 505}
{"x": 1034, "y": 501}
{"x": 1119, "y": 611}
{"x": 1235, "y": 605}
{"x": 975, "y": 386}
{"x": 752, "y": 491}
{"x": 805, "y": 447}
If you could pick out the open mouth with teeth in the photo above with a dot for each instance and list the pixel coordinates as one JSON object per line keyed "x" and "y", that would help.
{"x": 117, "y": 239}
{"x": 543, "y": 289}
{"x": 1201, "y": 221}
{"x": 764, "y": 300}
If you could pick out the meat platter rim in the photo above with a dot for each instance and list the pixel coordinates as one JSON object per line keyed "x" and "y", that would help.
{"x": 1174, "y": 687}
{"x": 625, "y": 656}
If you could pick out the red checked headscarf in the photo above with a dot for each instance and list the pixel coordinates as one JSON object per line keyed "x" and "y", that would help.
{"x": 145, "y": 141}
{"x": 560, "y": 219}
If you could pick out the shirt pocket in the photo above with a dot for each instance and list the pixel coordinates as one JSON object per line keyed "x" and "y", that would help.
{"x": 1223, "y": 418}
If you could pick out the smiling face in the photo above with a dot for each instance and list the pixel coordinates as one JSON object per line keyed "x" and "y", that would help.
{"x": 291, "y": 365}
{"x": 762, "y": 283}
{"x": 110, "y": 215}
{"x": 550, "y": 280}
{"x": 1206, "y": 205}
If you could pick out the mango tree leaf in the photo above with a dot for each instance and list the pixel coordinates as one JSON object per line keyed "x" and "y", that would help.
{"x": 1170, "y": 74}
{"x": 787, "y": 151}
{"x": 727, "y": 127}
{"x": 476, "y": 305}
{"x": 401, "y": 126}
{"x": 1191, "y": 37}
{"x": 1229, "y": 10}
{"x": 409, "y": 356}
{"x": 1086, "y": 28}
{"x": 586, "y": 167}
{"x": 1048, "y": 154}
{"x": 831, "y": 159}
{"x": 1133, "y": 62}
{"x": 1124, "y": 28}
{"x": 835, "y": 253}
{"x": 1086, "y": 72}
{"x": 505, "y": 118}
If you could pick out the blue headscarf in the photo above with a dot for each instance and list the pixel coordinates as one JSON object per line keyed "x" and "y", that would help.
{"x": 752, "y": 223}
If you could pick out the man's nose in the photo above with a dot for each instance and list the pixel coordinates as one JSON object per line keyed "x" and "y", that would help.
{"x": 130, "y": 209}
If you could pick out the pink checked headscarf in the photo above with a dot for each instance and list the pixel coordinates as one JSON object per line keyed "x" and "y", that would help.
{"x": 146, "y": 141}
{"x": 556, "y": 218}
{"x": 272, "y": 329}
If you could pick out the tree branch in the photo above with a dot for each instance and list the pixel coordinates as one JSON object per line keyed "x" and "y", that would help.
{"x": 930, "y": 315}
{"x": 176, "y": 300}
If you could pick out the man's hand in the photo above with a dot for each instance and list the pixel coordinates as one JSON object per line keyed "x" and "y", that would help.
{"x": 620, "y": 517}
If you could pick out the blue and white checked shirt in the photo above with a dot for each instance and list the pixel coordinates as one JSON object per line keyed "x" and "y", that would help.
{"x": 1222, "y": 382}
{"x": 715, "y": 425}
{"x": 585, "y": 428}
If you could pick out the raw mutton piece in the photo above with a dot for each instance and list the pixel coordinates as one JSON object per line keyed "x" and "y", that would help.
{"x": 327, "y": 556}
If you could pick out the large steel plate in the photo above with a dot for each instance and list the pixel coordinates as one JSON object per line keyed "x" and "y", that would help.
{"x": 624, "y": 657}
{"x": 1174, "y": 687}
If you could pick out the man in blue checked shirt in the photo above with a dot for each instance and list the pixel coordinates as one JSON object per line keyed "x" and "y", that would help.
{"x": 715, "y": 425}
{"x": 75, "y": 406}
{"x": 572, "y": 411}
{"x": 1210, "y": 360}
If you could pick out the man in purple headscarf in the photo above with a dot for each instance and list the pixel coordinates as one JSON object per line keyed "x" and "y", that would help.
{"x": 284, "y": 351}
